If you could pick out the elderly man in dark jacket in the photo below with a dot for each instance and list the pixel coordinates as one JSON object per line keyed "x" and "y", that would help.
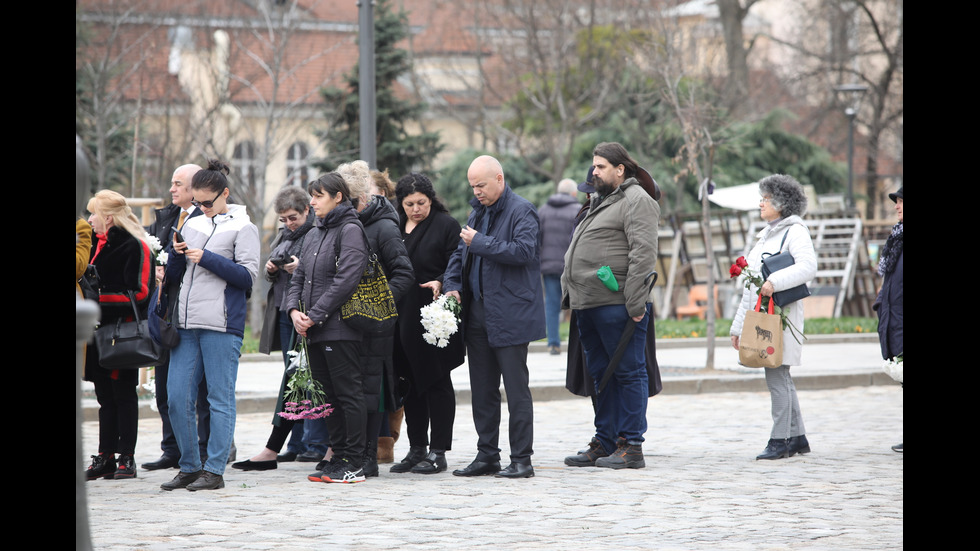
{"x": 557, "y": 222}
{"x": 496, "y": 271}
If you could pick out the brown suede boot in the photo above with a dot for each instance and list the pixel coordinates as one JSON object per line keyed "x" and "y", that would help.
{"x": 395, "y": 423}
{"x": 386, "y": 449}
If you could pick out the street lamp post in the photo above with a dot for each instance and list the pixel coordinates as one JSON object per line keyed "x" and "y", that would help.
{"x": 368, "y": 94}
{"x": 851, "y": 95}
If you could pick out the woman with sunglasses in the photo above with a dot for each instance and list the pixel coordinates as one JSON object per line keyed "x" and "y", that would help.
{"x": 216, "y": 259}
{"x": 292, "y": 203}
{"x": 321, "y": 284}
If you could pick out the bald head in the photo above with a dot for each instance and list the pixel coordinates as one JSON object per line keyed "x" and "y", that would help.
{"x": 180, "y": 185}
{"x": 486, "y": 178}
{"x": 568, "y": 186}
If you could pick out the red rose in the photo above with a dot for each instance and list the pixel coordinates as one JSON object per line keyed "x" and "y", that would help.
{"x": 734, "y": 271}
{"x": 741, "y": 262}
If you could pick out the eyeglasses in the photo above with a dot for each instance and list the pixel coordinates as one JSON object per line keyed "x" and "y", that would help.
{"x": 207, "y": 204}
{"x": 290, "y": 218}
{"x": 765, "y": 199}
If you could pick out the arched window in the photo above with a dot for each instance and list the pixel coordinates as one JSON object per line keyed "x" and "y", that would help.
{"x": 297, "y": 165}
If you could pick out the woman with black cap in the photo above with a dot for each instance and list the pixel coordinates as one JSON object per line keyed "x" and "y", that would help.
{"x": 890, "y": 301}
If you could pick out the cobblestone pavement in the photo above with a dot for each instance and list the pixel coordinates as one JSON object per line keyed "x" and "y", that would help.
{"x": 701, "y": 489}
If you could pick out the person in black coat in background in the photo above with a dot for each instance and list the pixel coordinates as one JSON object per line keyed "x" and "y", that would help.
{"x": 431, "y": 235}
{"x": 890, "y": 303}
{"x": 380, "y": 223}
{"x": 558, "y": 216}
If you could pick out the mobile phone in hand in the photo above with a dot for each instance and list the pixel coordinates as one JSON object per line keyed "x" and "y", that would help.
{"x": 179, "y": 238}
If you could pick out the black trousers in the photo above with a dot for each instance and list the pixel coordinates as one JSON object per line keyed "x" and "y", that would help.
{"x": 487, "y": 366}
{"x": 115, "y": 391}
{"x": 435, "y": 407}
{"x": 335, "y": 365}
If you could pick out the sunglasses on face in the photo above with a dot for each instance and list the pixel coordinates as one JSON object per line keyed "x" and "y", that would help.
{"x": 290, "y": 218}
{"x": 207, "y": 204}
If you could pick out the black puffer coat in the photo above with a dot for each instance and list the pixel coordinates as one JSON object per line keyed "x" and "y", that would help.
{"x": 380, "y": 223}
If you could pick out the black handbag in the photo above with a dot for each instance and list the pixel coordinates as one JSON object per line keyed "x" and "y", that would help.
{"x": 127, "y": 344}
{"x": 371, "y": 309}
{"x": 89, "y": 282}
{"x": 162, "y": 330}
{"x": 773, "y": 262}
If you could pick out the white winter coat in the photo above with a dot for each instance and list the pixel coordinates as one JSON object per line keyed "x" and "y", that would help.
{"x": 804, "y": 269}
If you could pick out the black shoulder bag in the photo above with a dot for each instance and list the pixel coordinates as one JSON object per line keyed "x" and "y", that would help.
{"x": 371, "y": 309}
{"x": 777, "y": 261}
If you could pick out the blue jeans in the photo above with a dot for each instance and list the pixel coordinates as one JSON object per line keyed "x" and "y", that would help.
{"x": 316, "y": 437}
{"x": 621, "y": 409}
{"x": 214, "y": 355}
{"x": 552, "y": 306}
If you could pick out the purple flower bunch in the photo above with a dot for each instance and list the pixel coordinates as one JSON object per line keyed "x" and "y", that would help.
{"x": 304, "y": 409}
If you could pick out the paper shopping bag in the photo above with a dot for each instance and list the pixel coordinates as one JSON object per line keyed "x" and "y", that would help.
{"x": 761, "y": 343}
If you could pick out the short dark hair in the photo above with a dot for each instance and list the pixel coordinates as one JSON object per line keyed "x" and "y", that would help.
{"x": 617, "y": 155}
{"x": 416, "y": 182}
{"x": 213, "y": 178}
{"x": 291, "y": 197}
{"x": 786, "y": 194}
{"x": 329, "y": 184}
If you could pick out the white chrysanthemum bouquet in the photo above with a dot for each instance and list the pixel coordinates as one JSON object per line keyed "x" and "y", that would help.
{"x": 895, "y": 368}
{"x": 441, "y": 318}
{"x": 157, "y": 249}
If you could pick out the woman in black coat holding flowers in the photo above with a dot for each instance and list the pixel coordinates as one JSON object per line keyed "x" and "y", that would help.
{"x": 431, "y": 235}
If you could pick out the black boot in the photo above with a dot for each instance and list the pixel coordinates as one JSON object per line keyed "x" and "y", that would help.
{"x": 415, "y": 454}
{"x": 371, "y": 458}
{"x": 434, "y": 462}
{"x": 777, "y": 449}
{"x": 798, "y": 445}
{"x": 103, "y": 466}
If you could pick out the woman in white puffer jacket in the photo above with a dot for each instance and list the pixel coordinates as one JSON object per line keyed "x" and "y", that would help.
{"x": 782, "y": 204}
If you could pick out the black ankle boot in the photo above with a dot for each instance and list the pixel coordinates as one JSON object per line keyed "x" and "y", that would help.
{"x": 415, "y": 454}
{"x": 798, "y": 445}
{"x": 434, "y": 462}
{"x": 371, "y": 459}
{"x": 103, "y": 466}
{"x": 777, "y": 449}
